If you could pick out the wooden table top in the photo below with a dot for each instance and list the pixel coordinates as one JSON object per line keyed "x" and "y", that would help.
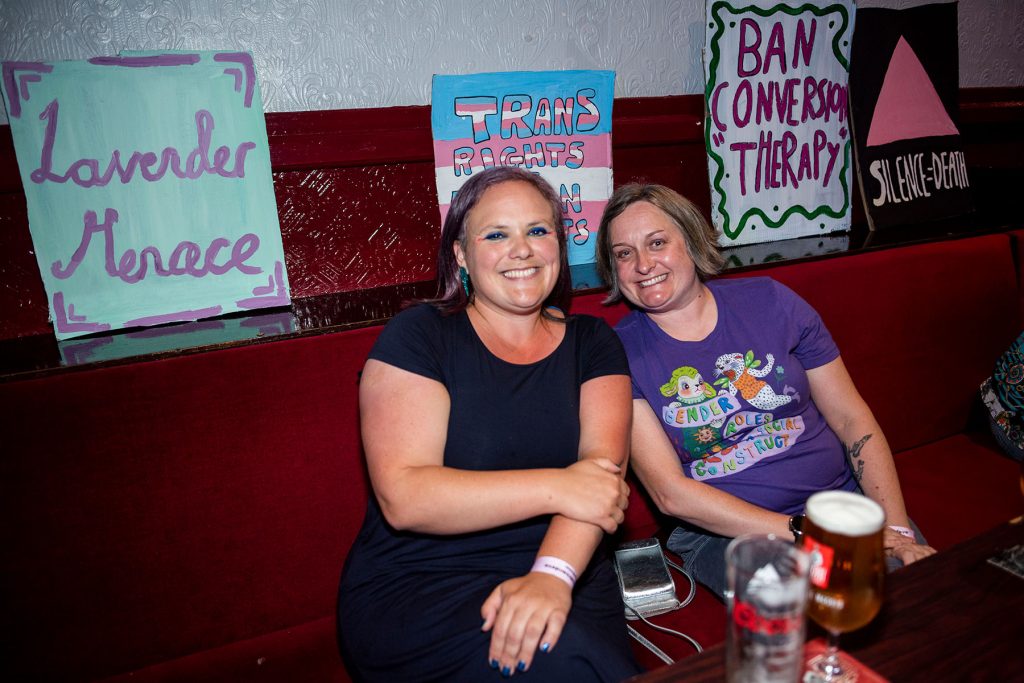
{"x": 952, "y": 616}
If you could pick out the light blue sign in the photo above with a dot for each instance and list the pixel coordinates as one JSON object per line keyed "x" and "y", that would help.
{"x": 150, "y": 197}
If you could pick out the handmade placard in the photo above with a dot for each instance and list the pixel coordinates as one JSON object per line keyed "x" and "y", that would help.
{"x": 777, "y": 134}
{"x": 904, "y": 88}
{"x": 147, "y": 179}
{"x": 555, "y": 123}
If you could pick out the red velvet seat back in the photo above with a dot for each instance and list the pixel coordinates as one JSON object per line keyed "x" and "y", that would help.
{"x": 1018, "y": 254}
{"x": 918, "y": 327}
{"x": 162, "y": 508}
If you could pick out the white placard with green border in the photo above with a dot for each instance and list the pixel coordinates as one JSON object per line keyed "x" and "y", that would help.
{"x": 777, "y": 129}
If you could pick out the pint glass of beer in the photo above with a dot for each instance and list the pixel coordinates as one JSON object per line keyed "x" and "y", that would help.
{"x": 843, "y": 537}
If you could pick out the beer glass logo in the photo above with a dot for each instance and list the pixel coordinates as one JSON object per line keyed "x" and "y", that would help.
{"x": 821, "y": 562}
{"x": 746, "y": 616}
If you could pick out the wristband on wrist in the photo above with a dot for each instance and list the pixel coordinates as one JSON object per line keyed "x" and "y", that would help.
{"x": 547, "y": 564}
{"x": 903, "y": 531}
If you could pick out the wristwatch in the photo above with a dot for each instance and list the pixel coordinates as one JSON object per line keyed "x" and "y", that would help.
{"x": 796, "y": 527}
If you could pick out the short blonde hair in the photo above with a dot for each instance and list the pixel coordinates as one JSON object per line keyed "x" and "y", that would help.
{"x": 700, "y": 237}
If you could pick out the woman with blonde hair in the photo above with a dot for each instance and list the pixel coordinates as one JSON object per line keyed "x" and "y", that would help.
{"x": 784, "y": 419}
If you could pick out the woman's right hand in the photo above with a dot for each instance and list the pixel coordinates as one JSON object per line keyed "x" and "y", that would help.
{"x": 593, "y": 492}
{"x": 524, "y": 615}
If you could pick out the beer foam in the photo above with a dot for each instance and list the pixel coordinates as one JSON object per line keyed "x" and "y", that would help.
{"x": 841, "y": 512}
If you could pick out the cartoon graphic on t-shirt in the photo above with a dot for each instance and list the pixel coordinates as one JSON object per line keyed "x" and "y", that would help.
{"x": 688, "y": 386}
{"x": 713, "y": 434}
{"x": 690, "y": 389}
{"x": 741, "y": 373}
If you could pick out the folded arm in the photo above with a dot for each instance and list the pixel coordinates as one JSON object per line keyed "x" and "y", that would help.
{"x": 529, "y": 612}
{"x": 405, "y": 458}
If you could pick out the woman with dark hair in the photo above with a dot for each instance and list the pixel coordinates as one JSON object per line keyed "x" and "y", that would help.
{"x": 495, "y": 430}
{"x": 742, "y": 407}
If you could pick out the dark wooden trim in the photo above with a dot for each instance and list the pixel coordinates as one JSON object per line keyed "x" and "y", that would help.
{"x": 349, "y": 137}
{"x": 999, "y": 101}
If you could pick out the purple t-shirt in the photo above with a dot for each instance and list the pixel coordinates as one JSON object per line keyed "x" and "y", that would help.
{"x": 737, "y": 405}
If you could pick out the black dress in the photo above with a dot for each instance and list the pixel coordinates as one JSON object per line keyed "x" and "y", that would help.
{"x": 409, "y": 603}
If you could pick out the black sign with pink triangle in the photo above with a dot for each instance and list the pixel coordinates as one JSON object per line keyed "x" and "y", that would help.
{"x": 904, "y": 83}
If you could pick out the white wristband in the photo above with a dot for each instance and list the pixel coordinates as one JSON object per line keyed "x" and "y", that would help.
{"x": 547, "y": 564}
{"x": 903, "y": 531}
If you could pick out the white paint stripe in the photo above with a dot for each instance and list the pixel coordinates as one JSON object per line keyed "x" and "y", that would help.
{"x": 595, "y": 183}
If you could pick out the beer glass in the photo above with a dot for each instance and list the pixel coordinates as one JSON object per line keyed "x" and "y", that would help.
{"x": 843, "y": 536}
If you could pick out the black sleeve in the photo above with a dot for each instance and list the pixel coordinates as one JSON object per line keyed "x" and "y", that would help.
{"x": 600, "y": 351}
{"x": 413, "y": 341}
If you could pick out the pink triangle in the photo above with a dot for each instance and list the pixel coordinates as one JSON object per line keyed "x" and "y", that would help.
{"x": 908, "y": 106}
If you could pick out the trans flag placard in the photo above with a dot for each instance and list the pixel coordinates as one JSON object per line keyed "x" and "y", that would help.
{"x": 555, "y": 123}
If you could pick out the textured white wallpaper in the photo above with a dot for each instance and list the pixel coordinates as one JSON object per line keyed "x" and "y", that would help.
{"x": 340, "y": 54}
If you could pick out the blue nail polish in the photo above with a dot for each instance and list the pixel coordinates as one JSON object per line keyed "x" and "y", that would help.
{"x": 521, "y": 666}
{"x": 545, "y": 647}
{"x": 494, "y": 663}
{"x": 506, "y": 672}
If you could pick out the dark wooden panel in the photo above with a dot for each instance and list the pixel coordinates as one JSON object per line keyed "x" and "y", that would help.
{"x": 23, "y": 308}
{"x": 10, "y": 181}
{"x": 349, "y": 137}
{"x": 358, "y": 227}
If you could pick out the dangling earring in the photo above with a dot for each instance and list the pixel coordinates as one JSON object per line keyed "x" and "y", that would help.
{"x": 464, "y": 276}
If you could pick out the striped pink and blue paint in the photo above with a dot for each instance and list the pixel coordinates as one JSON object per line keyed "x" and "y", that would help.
{"x": 554, "y": 123}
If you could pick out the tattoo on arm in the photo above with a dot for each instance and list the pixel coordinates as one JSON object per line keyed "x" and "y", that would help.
{"x": 854, "y": 456}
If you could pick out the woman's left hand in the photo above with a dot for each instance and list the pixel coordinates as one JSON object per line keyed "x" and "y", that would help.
{"x": 524, "y": 614}
{"x": 909, "y": 552}
{"x": 903, "y": 548}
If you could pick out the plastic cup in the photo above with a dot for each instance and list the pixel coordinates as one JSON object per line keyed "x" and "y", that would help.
{"x": 766, "y": 597}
